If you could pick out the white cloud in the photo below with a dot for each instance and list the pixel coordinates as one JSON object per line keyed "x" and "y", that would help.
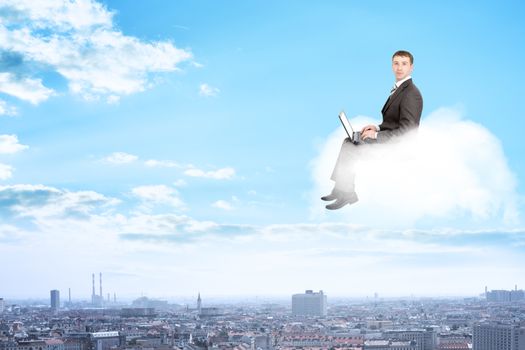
{"x": 9, "y": 144}
{"x": 62, "y": 14}
{"x": 26, "y": 89}
{"x": 113, "y": 99}
{"x": 220, "y": 174}
{"x": 152, "y": 163}
{"x": 6, "y": 109}
{"x": 180, "y": 183}
{"x": 208, "y": 91}
{"x": 222, "y": 204}
{"x": 452, "y": 168}
{"x": 43, "y": 202}
{"x": 158, "y": 194}
{"x": 120, "y": 158}
{"x": 78, "y": 40}
{"x": 6, "y": 171}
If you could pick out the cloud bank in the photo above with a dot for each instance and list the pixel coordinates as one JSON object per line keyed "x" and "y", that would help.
{"x": 451, "y": 168}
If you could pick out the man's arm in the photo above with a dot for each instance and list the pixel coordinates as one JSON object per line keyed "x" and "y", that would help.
{"x": 409, "y": 116}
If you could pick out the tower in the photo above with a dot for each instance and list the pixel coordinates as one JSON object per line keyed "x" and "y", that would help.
{"x": 55, "y": 299}
{"x": 199, "y": 304}
{"x": 101, "y": 296}
{"x": 93, "y": 299}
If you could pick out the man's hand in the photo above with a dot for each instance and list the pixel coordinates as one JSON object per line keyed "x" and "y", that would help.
{"x": 369, "y": 134}
{"x": 369, "y": 127}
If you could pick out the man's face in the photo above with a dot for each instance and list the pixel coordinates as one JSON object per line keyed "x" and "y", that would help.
{"x": 401, "y": 67}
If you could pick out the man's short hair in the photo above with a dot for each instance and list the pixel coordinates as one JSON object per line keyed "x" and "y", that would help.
{"x": 404, "y": 54}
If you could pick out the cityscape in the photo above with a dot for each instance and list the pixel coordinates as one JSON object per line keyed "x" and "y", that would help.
{"x": 306, "y": 321}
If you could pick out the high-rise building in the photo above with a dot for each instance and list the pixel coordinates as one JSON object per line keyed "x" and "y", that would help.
{"x": 425, "y": 339}
{"x": 1, "y": 305}
{"x": 55, "y": 299}
{"x": 309, "y": 304}
{"x": 503, "y": 296}
{"x": 494, "y": 336}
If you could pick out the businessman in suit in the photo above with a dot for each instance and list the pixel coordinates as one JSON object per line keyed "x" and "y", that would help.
{"x": 401, "y": 113}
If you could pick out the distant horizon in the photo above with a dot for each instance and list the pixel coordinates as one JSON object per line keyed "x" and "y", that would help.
{"x": 260, "y": 298}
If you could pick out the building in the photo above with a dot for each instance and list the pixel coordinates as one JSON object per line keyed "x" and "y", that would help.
{"x": 425, "y": 339}
{"x": 389, "y": 345}
{"x": 502, "y": 296}
{"x": 2, "y": 305}
{"x": 54, "y": 344}
{"x": 494, "y": 336}
{"x": 137, "y": 312}
{"x": 309, "y": 304}
{"x": 199, "y": 304}
{"x": 106, "y": 340}
{"x": 55, "y": 299}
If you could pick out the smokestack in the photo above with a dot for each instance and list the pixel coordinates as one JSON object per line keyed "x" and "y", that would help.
{"x": 69, "y": 295}
{"x": 93, "y": 293}
{"x": 101, "y": 297}
{"x": 108, "y": 298}
{"x": 115, "y": 298}
{"x": 515, "y": 287}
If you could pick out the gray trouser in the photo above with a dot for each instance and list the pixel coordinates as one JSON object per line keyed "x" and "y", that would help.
{"x": 344, "y": 170}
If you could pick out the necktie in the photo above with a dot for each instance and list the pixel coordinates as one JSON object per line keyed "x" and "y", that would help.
{"x": 394, "y": 88}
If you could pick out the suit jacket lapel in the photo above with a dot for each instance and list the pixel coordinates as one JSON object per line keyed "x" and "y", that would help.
{"x": 395, "y": 95}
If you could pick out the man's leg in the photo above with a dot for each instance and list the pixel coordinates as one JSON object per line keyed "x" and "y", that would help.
{"x": 344, "y": 176}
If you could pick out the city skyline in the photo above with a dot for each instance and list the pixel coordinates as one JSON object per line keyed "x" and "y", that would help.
{"x": 182, "y": 147}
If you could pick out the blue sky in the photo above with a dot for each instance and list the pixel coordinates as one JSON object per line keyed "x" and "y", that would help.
{"x": 183, "y": 145}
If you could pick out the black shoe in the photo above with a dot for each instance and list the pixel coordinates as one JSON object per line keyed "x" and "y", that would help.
{"x": 336, "y": 193}
{"x": 349, "y": 198}
{"x": 331, "y": 197}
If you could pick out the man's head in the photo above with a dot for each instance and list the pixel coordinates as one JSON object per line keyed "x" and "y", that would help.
{"x": 402, "y": 64}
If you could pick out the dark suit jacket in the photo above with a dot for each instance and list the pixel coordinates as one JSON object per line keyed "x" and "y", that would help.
{"x": 401, "y": 112}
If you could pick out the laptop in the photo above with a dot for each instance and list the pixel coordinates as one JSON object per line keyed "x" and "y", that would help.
{"x": 355, "y": 136}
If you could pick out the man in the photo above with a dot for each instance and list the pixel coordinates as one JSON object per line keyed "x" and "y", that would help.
{"x": 401, "y": 113}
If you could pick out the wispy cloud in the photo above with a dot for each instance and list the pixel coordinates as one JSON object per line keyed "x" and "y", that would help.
{"x": 152, "y": 163}
{"x": 158, "y": 194}
{"x": 208, "y": 91}
{"x": 219, "y": 174}
{"x": 40, "y": 202}
{"x": 120, "y": 158}
{"x": 9, "y": 144}
{"x": 222, "y": 204}
{"x": 78, "y": 40}
{"x": 24, "y": 88}
{"x": 6, "y": 109}
{"x": 225, "y": 173}
{"x": 6, "y": 171}
{"x": 180, "y": 183}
